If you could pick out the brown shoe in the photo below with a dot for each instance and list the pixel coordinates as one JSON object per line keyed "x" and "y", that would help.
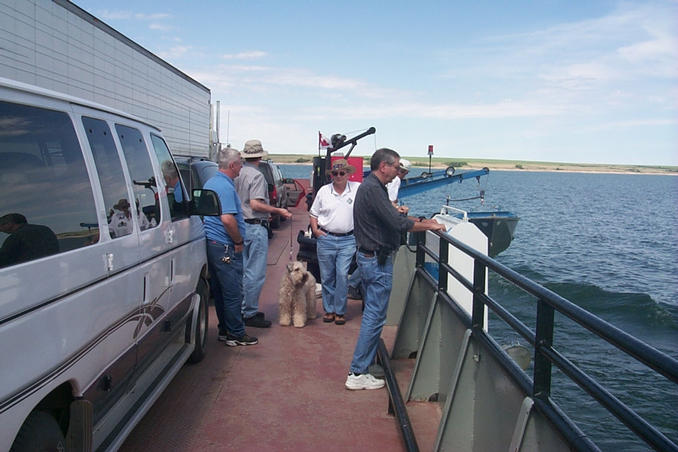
{"x": 328, "y": 318}
{"x": 340, "y": 320}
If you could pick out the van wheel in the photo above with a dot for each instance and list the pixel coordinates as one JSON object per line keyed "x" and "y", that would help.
{"x": 40, "y": 432}
{"x": 202, "y": 325}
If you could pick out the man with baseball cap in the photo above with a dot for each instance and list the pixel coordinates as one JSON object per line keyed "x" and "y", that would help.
{"x": 332, "y": 224}
{"x": 394, "y": 186}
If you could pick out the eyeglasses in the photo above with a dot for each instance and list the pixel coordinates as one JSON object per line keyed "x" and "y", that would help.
{"x": 338, "y": 173}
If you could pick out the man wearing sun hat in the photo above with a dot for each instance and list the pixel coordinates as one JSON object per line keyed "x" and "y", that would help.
{"x": 252, "y": 190}
{"x": 332, "y": 224}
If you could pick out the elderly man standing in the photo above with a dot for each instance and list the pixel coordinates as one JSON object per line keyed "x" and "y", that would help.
{"x": 393, "y": 187}
{"x": 253, "y": 192}
{"x": 377, "y": 227}
{"x": 332, "y": 223}
{"x": 225, "y": 237}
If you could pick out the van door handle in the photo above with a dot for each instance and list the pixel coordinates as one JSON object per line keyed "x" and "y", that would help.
{"x": 170, "y": 235}
{"x": 109, "y": 261}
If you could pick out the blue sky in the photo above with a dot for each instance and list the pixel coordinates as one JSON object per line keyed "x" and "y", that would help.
{"x": 564, "y": 81}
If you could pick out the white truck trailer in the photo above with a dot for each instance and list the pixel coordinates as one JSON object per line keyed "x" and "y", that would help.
{"x": 57, "y": 45}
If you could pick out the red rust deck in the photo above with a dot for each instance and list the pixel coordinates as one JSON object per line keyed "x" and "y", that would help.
{"x": 286, "y": 393}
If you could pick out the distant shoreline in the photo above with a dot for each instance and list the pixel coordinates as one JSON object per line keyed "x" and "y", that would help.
{"x": 505, "y": 165}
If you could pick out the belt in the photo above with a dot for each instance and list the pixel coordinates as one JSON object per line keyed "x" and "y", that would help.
{"x": 255, "y": 221}
{"x": 336, "y": 234}
{"x": 366, "y": 252}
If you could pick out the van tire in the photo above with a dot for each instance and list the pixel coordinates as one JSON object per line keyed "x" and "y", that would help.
{"x": 202, "y": 325}
{"x": 40, "y": 431}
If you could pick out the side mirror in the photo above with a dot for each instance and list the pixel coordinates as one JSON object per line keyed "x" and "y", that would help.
{"x": 205, "y": 203}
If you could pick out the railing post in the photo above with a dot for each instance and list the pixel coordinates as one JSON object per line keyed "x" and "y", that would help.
{"x": 420, "y": 238}
{"x": 543, "y": 339}
{"x": 478, "y": 314}
{"x": 443, "y": 252}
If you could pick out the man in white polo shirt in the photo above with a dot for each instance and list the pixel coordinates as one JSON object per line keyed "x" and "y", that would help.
{"x": 332, "y": 224}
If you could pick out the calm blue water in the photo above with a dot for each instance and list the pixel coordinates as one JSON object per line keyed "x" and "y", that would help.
{"x": 607, "y": 242}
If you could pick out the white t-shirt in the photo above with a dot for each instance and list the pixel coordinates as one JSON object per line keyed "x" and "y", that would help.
{"x": 120, "y": 224}
{"x": 393, "y": 187}
{"x": 334, "y": 211}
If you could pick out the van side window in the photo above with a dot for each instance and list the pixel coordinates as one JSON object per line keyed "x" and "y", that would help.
{"x": 119, "y": 211}
{"x": 141, "y": 172}
{"x": 46, "y": 203}
{"x": 176, "y": 193}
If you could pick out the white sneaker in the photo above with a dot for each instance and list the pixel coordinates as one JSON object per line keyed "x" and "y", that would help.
{"x": 363, "y": 381}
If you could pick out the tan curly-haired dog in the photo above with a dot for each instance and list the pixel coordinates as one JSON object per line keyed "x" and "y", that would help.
{"x": 297, "y": 295}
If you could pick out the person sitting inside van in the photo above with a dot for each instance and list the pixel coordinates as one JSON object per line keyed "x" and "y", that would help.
{"x": 120, "y": 223}
{"x": 26, "y": 241}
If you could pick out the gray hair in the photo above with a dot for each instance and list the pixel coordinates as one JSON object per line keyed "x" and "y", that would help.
{"x": 169, "y": 169}
{"x": 383, "y": 155}
{"x": 226, "y": 156}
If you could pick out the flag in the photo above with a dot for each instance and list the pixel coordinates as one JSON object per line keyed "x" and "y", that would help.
{"x": 323, "y": 142}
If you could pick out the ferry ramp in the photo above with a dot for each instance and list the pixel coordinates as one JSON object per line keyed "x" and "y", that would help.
{"x": 285, "y": 393}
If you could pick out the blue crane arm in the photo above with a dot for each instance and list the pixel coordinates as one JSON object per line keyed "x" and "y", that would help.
{"x": 413, "y": 185}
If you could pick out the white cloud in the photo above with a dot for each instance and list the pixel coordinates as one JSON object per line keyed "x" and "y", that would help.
{"x": 254, "y": 54}
{"x": 153, "y": 16}
{"x": 114, "y": 15}
{"x": 175, "y": 52}
{"x": 158, "y": 26}
{"x": 106, "y": 14}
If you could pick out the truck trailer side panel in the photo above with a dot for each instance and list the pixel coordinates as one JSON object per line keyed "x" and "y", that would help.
{"x": 56, "y": 45}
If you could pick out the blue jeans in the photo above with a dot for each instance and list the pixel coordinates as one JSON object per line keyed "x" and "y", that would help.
{"x": 334, "y": 258}
{"x": 377, "y": 281}
{"x": 355, "y": 280}
{"x": 254, "y": 260}
{"x": 226, "y": 286}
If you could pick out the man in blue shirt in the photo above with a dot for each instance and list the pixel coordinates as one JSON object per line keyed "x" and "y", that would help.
{"x": 225, "y": 237}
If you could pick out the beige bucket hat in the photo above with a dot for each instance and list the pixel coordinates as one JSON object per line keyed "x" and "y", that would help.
{"x": 253, "y": 149}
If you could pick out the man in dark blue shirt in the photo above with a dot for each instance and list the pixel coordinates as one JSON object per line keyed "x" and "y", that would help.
{"x": 377, "y": 228}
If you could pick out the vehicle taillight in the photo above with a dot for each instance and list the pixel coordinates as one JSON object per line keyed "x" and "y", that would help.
{"x": 274, "y": 195}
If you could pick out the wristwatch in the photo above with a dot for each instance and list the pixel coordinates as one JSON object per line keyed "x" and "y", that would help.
{"x": 421, "y": 218}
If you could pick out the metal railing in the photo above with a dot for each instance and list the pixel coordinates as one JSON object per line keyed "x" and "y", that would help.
{"x": 545, "y": 355}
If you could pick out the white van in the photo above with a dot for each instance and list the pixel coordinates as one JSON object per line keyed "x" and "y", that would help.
{"x": 103, "y": 289}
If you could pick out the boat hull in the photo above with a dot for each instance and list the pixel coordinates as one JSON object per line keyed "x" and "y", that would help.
{"x": 499, "y": 227}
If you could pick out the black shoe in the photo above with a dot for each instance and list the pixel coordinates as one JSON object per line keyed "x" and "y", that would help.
{"x": 233, "y": 341}
{"x": 257, "y": 322}
{"x": 259, "y": 314}
{"x": 354, "y": 292}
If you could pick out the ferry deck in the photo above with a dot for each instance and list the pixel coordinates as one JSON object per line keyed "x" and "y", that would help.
{"x": 285, "y": 393}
